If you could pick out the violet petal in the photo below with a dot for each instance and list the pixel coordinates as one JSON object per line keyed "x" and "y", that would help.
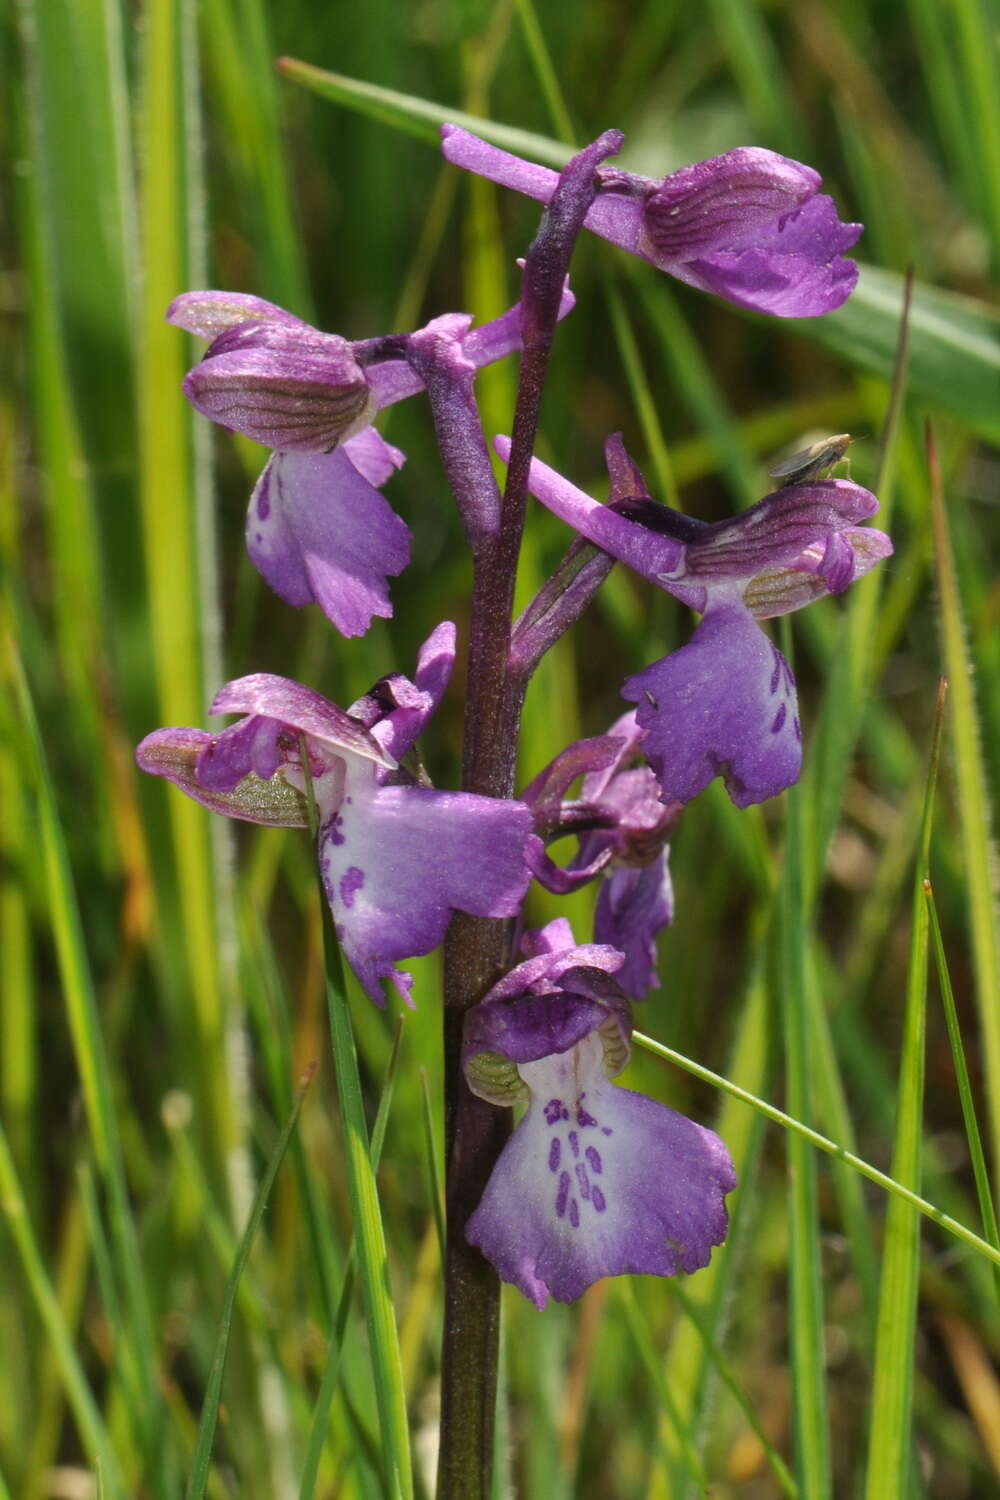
{"x": 317, "y": 530}
{"x": 634, "y": 905}
{"x": 304, "y": 710}
{"x": 723, "y": 705}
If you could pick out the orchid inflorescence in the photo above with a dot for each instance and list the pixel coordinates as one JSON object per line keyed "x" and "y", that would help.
{"x": 596, "y": 1180}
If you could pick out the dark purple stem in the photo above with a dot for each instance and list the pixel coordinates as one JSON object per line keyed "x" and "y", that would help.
{"x": 477, "y": 948}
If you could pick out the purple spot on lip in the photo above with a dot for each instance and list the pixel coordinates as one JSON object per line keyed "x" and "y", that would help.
{"x": 554, "y": 1112}
{"x": 584, "y": 1119}
{"x": 264, "y": 499}
{"x": 583, "y": 1180}
{"x": 562, "y": 1195}
{"x": 574, "y": 1143}
{"x": 350, "y": 883}
{"x": 574, "y": 1213}
{"x": 333, "y": 828}
{"x": 797, "y": 727}
{"x": 779, "y": 719}
{"x": 594, "y": 1158}
{"x": 597, "y": 1198}
{"x": 555, "y": 1151}
{"x": 776, "y": 674}
{"x": 606, "y": 1130}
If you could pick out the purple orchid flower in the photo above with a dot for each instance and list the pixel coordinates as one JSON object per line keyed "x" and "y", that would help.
{"x": 596, "y": 1180}
{"x": 623, "y": 830}
{"x": 725, "y": 704}
{"x": 318, "y": 529}
{"x": 750, "y": 225}
{"x": 396, "y": 857}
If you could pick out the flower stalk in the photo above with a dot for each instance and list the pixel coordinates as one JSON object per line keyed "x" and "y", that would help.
{"x": 477, "y": 949}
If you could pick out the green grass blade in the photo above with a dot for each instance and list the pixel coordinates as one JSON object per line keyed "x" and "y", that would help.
{"x": 889, "y": 1435}
{"x": 92, "y": 1061}
{"x": 240, "y": 65}
{"x": 86, "y": 1412}
{"x": 687, "y": 1366}
{"x": 980, "y": 82}
{"x": 213, "y": 1390}
{"x": 976, "y": 1153}
{"x": 954, "y": 361}
{"x": 853, "y": 667}
{"x": 805, "y": 1313}
{"x": 170, "y": 488}
{"x": 822, "y": 1143}
{"x": 331, "y": 1369}
{"x": 973, "y": 807}
{"x": 548, "y": 78}
{"x": 433, "y": 1165}
{"x": 717, "y": 1359}
{"x": 379, "y": 1313}
{"x": 419, "y": 117}
{"x": 642, "y": 395}
{"x": 651, "y": 1363}
{"x": 380, "y": 1317}
{"x": 757, "y": 68}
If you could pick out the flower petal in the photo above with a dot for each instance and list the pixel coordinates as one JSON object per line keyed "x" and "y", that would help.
{"x": 403, "y": 725}
{"x": 647, "y": 552}
{"x": 207, "y": 314}
{"x": 777, "y": 530}
{"x": 317, "y": 530}
{"x": 397, "y": 860}
{"x": 723, "y": 705}
{"x": 374, "y": 458}
{"x": 288, "y": 386}
{"x": 175, "y": 754}
{"x": 548, "y": 964}
{"x": 633, "y": 907}
{"x": 792, "y": 270}
{"x": 729, "y": 199}
{"x": 600, "y": 1182}
{"x": 291, "y": 703}
{"x": 778, "y": 591}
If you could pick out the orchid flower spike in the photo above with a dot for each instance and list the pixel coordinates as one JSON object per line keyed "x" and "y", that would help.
{"x": 396, "y": 857}
{"x": 750, "y": 225}
{"x": 596, "y": 1180}
{"x": 623, "y": 829}
{"x": 318, "y": 529}
{"x": 725, "y": 704}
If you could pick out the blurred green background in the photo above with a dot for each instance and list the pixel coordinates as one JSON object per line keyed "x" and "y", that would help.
{"x": 161, "y": 974}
